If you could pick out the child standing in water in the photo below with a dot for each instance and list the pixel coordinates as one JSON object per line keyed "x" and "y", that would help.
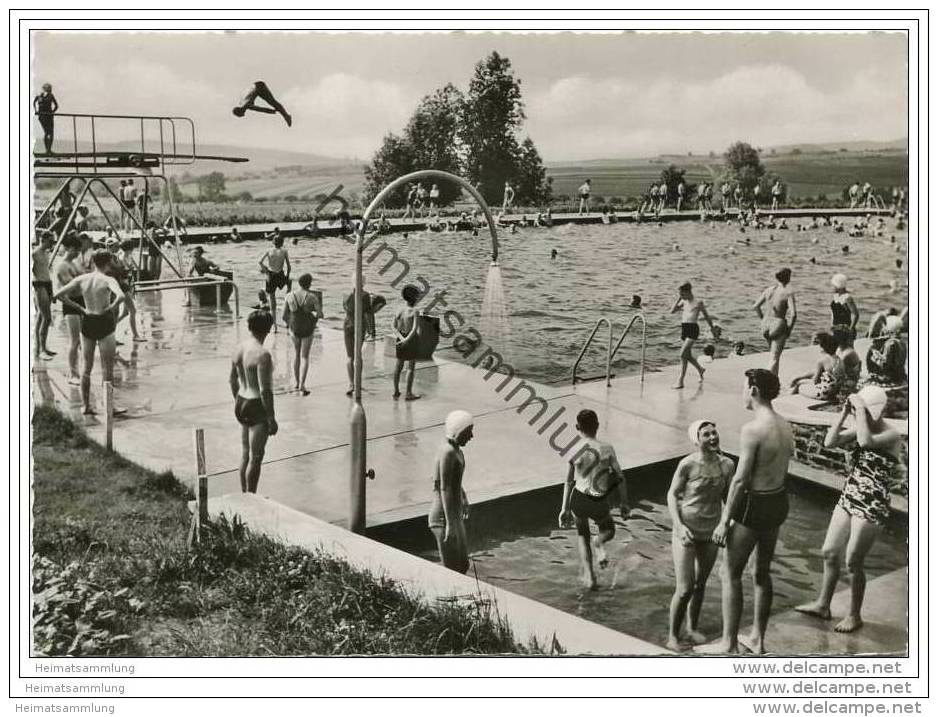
{"x": 691, "y": 309}
{"x": 594, "y": 477}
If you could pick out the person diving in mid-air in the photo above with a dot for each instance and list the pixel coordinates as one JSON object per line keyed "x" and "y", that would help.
{"x": 260, "y": 90}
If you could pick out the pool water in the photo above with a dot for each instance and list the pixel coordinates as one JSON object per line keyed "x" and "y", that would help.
{"x": 553, "y": 304}
{"x": 532, "y": 557}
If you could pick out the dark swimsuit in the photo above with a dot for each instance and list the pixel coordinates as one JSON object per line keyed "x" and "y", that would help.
{"x": 866, "y": 492}
{"x": 68, "y": 310}
{"x": 97, "y": 326}
{"x": 249, "y": 411}
{"x": 762, "y": 511}
{"x": 276, "y": 280}
{"x": 840, "y": 316}
{"x": 690, "y": 331}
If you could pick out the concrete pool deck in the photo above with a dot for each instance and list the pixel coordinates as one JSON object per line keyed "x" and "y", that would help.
{"x": 177, "y": 381}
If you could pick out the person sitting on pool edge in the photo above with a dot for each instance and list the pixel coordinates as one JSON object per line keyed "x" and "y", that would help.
{"x": 594, "y": 477}
{"x": 405, "y": 330}
{"x": 695, "y": 502}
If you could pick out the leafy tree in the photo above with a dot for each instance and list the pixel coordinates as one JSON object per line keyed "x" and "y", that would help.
{"x": 672, "y": 176}
{"x": 394, "y": 158}
{"x": 493, "y": 113}
{"x": 742, "y": 164}
{"x": 211, "y": 186}
{"x": 432, "y": 135}
{"x": 531, "y": 185}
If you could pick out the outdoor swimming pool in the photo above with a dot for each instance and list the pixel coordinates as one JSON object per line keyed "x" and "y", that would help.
{"x": 553, "y": 304}
{"x": 518, "y": 547}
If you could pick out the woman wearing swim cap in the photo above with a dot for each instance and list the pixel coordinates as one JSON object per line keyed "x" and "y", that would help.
{"x": 695, "y": 501}
{"x": 450, "y": 506}
{"x": 863, "y": 508}
{"x": 844, "y": 311}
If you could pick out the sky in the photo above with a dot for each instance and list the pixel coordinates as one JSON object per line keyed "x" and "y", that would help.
{"x": 587, "y": 96}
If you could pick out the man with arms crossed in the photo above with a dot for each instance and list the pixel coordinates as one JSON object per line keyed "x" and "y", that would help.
{"x": 98, "y": 319}
{"x": 756, "y": 506}
{"x": 251, "y": 381}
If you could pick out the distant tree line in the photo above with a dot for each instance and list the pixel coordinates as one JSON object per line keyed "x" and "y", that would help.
{"x": 473, "y": 134}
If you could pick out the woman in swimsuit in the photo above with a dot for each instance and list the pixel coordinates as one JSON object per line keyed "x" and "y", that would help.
{"x": 775, "y": 326}
{"x": 863, "y": 508}
{"x": 695, "y": 502}
{"x": 887, "y": 356}
{"x": 301, "y": 312}
{"x": 450, "y": 506}
{"x": 844, "y": 311}
{"x": 824, "y": 383}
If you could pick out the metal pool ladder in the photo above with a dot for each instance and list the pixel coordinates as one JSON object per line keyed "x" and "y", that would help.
{"x": 610, "y": 349}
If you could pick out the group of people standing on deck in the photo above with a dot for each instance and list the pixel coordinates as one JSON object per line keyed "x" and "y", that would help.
{"x": 95, "y": 285}
{"x": 660, "y": 195}
{"x": 715, "y": 503}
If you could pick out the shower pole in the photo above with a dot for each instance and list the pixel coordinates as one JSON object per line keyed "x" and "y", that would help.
{"x": 358, "y": 421}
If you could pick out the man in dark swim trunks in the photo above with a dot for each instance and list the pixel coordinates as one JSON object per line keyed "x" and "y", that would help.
{"x": 275, "y": 264}
{"x": 98, "y": 313}
{"x": 756, "y": 506}
{"x": 65, "y": 271}
{"x": 251, "y": 381}
{"x": 42, "y": 287}
{"x": 45, "y": 106}
{"x": 260, "y": 90}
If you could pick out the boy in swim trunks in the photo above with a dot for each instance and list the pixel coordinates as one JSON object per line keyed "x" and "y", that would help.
{"x": 42, "y": 287}
{"x": 691, "y": 309}
{"x": 65, "y": 271}
{"x": 775, "y": 325}
{"x": 98, "y": 311}
{"x": 756, "y": 506}
{"x": 275, "y": 264}
{"x": 695, "y": 502}
{"x": 593, "y": 479}
{"x": 251, "y": 381}
{"x": 260, "y": 90}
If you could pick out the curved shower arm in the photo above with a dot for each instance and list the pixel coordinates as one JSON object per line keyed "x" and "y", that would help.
{"x": 425, "y": 174}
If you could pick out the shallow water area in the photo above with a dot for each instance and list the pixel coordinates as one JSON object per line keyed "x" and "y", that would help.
{"x": 635, "y": 589}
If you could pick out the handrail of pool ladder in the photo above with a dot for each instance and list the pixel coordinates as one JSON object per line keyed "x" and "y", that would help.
{"x": 639, "y": 315}
{"x": 358, "y": 441}
{"x": 586, "y": 345}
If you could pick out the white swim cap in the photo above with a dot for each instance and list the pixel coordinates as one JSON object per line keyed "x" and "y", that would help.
{"x": 694, "y": 429}
{"x": 875, "y": 399}
{"x": 839, "y": 281}
{"x": 893, "y": 325}
{"x": 457, "y": 422}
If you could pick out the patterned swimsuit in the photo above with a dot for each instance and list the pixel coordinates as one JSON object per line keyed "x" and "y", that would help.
{"x": 866, "y": 492}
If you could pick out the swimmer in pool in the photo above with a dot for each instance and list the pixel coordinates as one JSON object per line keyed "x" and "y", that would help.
{"x": 251, "y": 382}
{"x": 756, "y": 507}
{"x": 691, "y": 309}
{"x": 695, "y": 501}
{"x": 775, "y": 325}
{"x": 260, "y": 90}
{"x": 98, "y": 311}
{"x": 594, "y": 478}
